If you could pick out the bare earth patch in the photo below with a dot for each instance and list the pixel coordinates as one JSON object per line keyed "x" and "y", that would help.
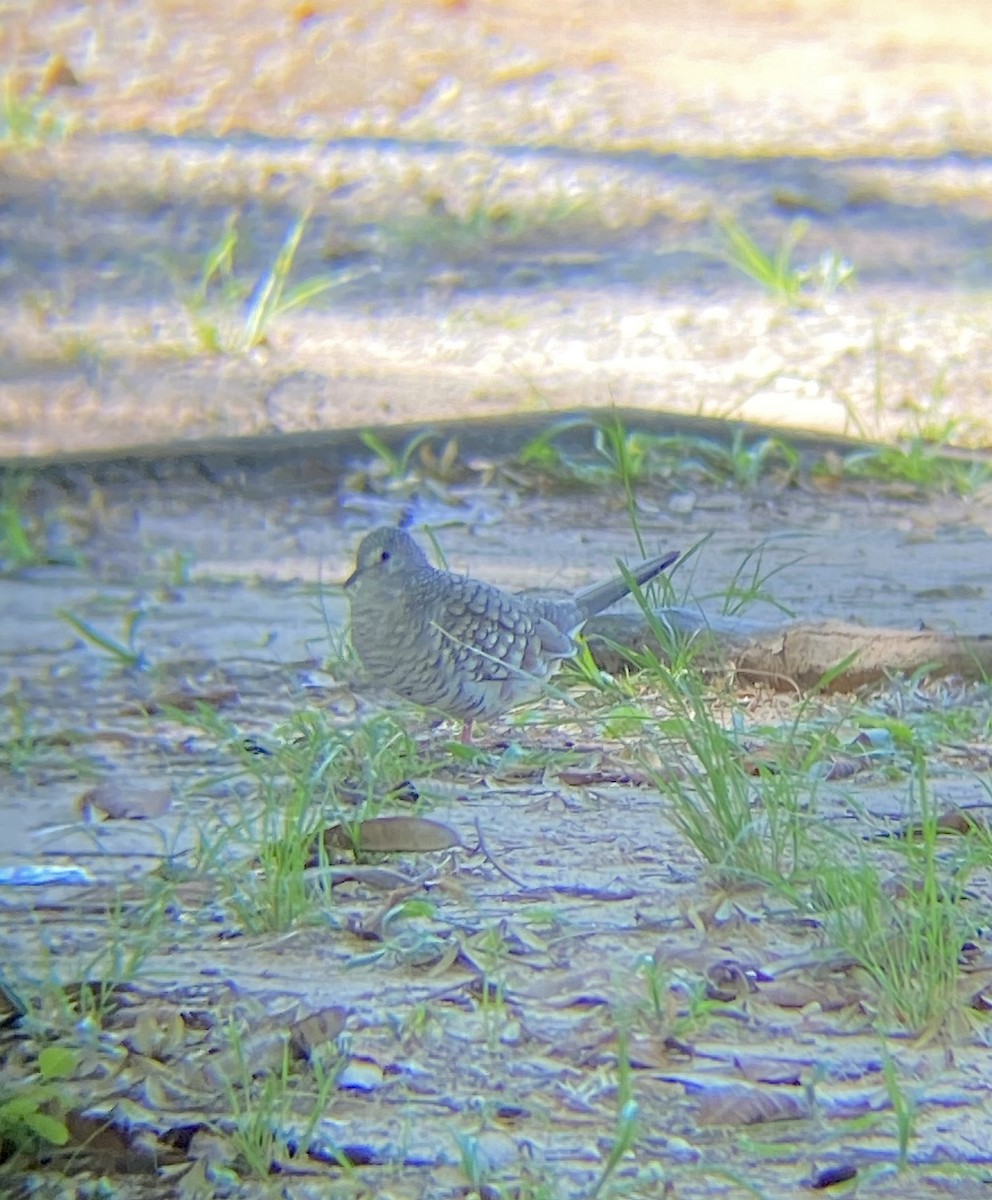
{"x": 694, "y": 931}
{"x": 512, "y": 213}
{"x": 501, "y": 1002}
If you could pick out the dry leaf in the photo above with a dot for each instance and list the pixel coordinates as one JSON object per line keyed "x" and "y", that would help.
{"x": 300, "y": 14}
{"x": 113, "y": 1148}
{"x": 756, "y": 1069}
{"x": 751, "y": 1106}
{"x": 793, "y": 993}
{"x": 955, "y": 820}
{"x": 593, "y": 777}
{"x": 447, "y": 467}
{"x": 762, "y": 758}
{"x": 729, "y": 980}
{"x": 183, "y": 699}
{"x": 831, "y": 1175}
{"x": 120, "y": 801}
{"x": 57, "y": 73}
{"x": 361, "y": 1075}
{"x": 156, "y": 1033}
{"x": 12, "y": 1007}
{"x": 393, "y": 834}
{"x": 844, "y": 768}
{"x": 316, "y": 1030}
{"x": 383, "y": 879}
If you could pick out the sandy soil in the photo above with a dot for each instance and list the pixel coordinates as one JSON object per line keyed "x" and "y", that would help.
{"x": 517, "y": 212}
{"x": 520, "y": 215}
{"x": 232, "y": 564}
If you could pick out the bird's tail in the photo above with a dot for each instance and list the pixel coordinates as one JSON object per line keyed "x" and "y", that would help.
{"x": 594, "y": 599}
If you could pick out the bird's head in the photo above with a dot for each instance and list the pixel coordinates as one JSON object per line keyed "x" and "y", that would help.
{"x": 384, "y": 556}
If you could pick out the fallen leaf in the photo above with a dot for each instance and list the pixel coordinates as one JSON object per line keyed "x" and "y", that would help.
{"x": 593, "y": 777}
{"x": 316, "y": 1030}
{"x": 392, "y": 835}
{"x": 728, "y": 980}
{"x": 12, "y": 1007}
{"x": 125, "y": 802}
{"x": 844, "y": 768}
{"x": 756, "y": 1069}
{"x": 831, "y": 1175}
{"x": 183, "y": 700}
{"x": 955, "y": 820}
{"x": 383, "y": 879}
{"x": 300, "y": 14}
{"x": 114, "y": 1150}
{"x": 751, "y": 1106}
{"x": 361, "y": 1075}
{"x": 794, "y": 993}
{"x": 57, "y": 73}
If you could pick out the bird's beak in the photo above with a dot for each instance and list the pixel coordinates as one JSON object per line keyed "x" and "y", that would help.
{"x": 351, "y": 579}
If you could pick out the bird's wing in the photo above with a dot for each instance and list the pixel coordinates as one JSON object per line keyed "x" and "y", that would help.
{"x": 496, "y": 636}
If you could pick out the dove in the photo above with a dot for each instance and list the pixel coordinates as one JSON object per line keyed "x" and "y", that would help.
{"x": 455, "y": 644}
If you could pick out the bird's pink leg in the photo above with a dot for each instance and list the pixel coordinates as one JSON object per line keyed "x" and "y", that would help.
{"x": 466, "y": 738}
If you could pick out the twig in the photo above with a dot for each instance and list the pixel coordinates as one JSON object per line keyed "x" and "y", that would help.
{"x": 502, "y": 870}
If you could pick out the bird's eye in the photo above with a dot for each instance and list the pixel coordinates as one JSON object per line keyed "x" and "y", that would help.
{"x": 384, "y": 556}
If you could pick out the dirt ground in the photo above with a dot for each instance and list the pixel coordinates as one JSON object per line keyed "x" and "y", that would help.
{"x": 520, "y": 217}
{"x": 515, "y": 213}
{"x": 233, "y": 567}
